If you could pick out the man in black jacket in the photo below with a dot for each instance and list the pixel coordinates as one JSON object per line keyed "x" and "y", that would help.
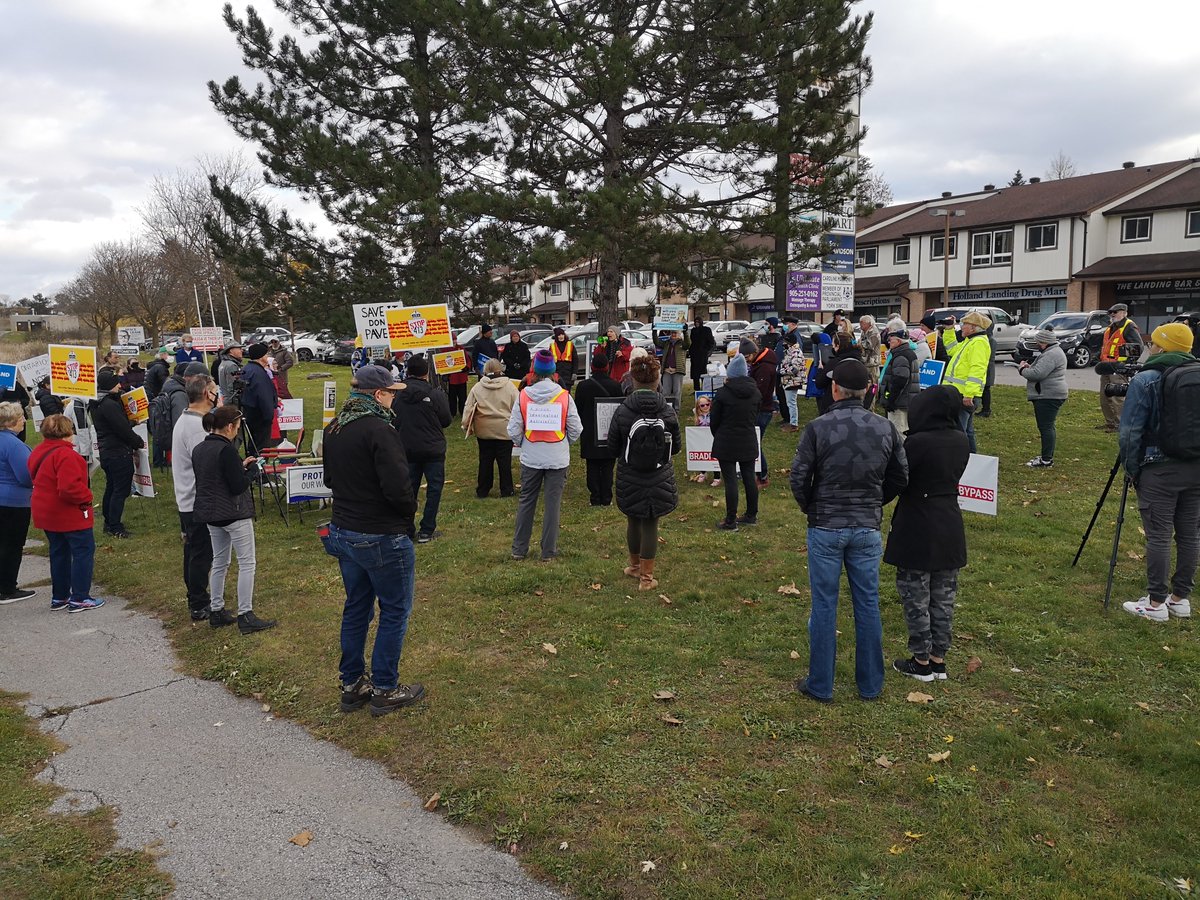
{"x": 849, "y": 464}
{"x": 516, "y": 356}
{"x": 702, "y": 346}
{"x": 484, "y": 349}
{"x": 901, "y": 379}
{"x": 422, "y": 412}
{"x": 600, "y": 458}
{"x": 117, "y": 443}
{"x": 371, "y": 537}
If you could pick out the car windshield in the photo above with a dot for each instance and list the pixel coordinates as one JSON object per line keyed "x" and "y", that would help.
{"x": 1065, "y": 322}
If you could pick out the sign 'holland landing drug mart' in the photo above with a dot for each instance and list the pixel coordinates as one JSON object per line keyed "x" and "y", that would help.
{"x": 419, "y": 328}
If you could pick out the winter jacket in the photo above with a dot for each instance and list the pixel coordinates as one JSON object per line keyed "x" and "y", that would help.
{"x": 15, "y": 484}
{"x": 921, "y": 347}
{"x": 114, "y": 432}
{"x": 644, "y": 495}
{"x": 259, "y": 397}
{"x": 585, "y": 401}
{"x": 702, "y": 345}
{"x": 485, "y": 349}
{"x": 674, "y": 355}
{"x": 813, "y": 386}
{"x": 927, "y": 528}
{"x": 618, "y": 353}
{"x": 222, "y": 485}
{"x": 543, "y": 454}
{"x": 62, "y": 500}
{"x": 901, "y": 378}
{"x": 791, "y": 368}
{"x": 1047, "y": 375}
{"x": 516, "y": 358}
{"x": 48, "y": 403}
{"x": 421, "y": 414}
{"x": 849, "y": 464}
{"x": 968, "y": 366}
{"x": 1121, "y": 342}
{"x": 156, "y": 375}
{"x": 764, "y": 369}
{"x": 822, "y": 378}
{"x": 733, "y": 419}
{"x": 1138, "y": 436}
{"x": 366, "y": 469}
{"x": 283, "y": 361}
{"x": 229, "y": 371}
{"x": 868, "y": 345}
{"x": 489, "y": 405}
{"x": 174, "y": 388}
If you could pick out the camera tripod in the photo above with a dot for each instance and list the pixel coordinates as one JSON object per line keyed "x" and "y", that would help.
{"x": 1112, "y": 562}
{"x": 258, "y": 472}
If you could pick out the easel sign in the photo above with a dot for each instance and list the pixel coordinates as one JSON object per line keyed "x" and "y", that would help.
{"x": 605, "y": 408}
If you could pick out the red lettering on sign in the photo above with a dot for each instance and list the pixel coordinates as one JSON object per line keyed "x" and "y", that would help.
{"x": 971, "y": 492}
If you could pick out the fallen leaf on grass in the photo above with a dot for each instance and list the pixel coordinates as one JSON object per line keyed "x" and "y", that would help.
{"x": 564, "y": 846}
{"x": 914, "y": 836}
{"x": 664, "y": 695}
{"x": 551, "y": 649}
{"x": 883, "y": 762}
{"x": 1145, "y": 707}
{"x": 939, "y": 757}
{"x": 793, "y": 655}
{"x": 1133, "y": 555}
{"x": 716, "y": 504}
{"x": 648, "y": 867}
{"x": 790, "y": 589}
{"x": 919, "y": 697}
{"x": 671, "y": 720}
{"x": 896, "y": 849}
{"x": 539, "y": 593}
{"x": 974, "y": 664}
{"x": 664, "y": 598}
{"x": 1183, "y": 885}
{"x": 949, "y": 739}
{"x": 303, "y": 839}
{"x": 432, "y": 803}
{"x": 595, "y": 587}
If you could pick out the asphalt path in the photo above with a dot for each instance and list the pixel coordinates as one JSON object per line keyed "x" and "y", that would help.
{"x": 217, "y": 785}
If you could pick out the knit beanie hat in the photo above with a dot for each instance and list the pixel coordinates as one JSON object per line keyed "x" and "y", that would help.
{"x": 543, "y": 363}
{"x": 1045, "y": 336}
{"x": 1174, "y": 337}
{"x": 599, "y": 361}
{"x": 108, "y": 380}
{"x": 738, "y": 367}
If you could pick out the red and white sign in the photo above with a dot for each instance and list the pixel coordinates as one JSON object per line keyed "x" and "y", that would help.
{"x": 697, "y": 444}
{"x": 291, "y": 415}
{"x": 206, "y": 340}
{"x": 978, "y": 489}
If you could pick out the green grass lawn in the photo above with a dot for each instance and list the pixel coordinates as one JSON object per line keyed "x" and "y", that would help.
{"x": 1074, "y": 766}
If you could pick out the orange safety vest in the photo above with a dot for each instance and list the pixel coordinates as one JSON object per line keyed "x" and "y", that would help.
{"x": 563, "y": 400}
{"x": 567, "y": 354}
{"x": 1110, "y": 349}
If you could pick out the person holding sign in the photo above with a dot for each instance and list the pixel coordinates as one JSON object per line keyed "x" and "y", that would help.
{"x": 599, "y": 456}
{"x": 117, "y": 443}
{"x": 543, "y": 424}
{"x": 489, "y": 406}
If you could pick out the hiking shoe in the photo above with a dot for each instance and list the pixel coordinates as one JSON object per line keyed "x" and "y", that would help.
{"x": 762, "y": 482}
{"x": 384, "y": 702}
{"x": 939, "y": 670}
{"x": 727, "y": 525}
{"x": 1038, "y": 463}
{"x": 118, "y": 532}
{"x": 1143, "y": 610}
{"x": 1180, "y": 610}
{"x": 58, "y": 604}
{"x": 357, "y": 695}
{"x": 803, "y": 688}
{"x": 219, "y": 618}
{"x": 922, "y": 671}
{"x": 17, "y": 595}
{"x": 424, "y": 537}
{"x": 199, "y": 615}
{"x": 747, "y": 520}
{"x": 74, "y": 606}
{"x": 248, "y": 623}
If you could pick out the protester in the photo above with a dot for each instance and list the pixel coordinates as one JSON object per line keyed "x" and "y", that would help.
{"x": 627, "y": 385}
{"x": 674, "y": 363}
{"x": 985, "y": 399}
{"x": 702, "y": 345}
{"x": 869, "y": 341}
{"x": 1121, "y": 344}
{"x": 900, "y": 380}
{"x": 135, "y": 375}
{"x": 489, "y": 406}
{"x": 562, "y": 349}
{"x": 157, "y": 373}
{"x": 645, "y": 433}
{"x": 599, "y": 457}
{"x": 16, "y": 488}
{"x": 185, "y": 352}
{"x": 110, "y": 365}
{"x": 734, "y": 426}
{"x": 927, "y": 543}
{"x": 46, "y": 401}
{"x": 485, "y": 348}
{"x": 850, "y": 463}
{"x": 843, "y": 349}
{"x": 223, "y": 503}
{"x": 19, "y": 395}
{"x": 259, "y": 399}
{"x": 1047, "y": 390}
{"x": 370, "y": 535}
{"x": 61, "y": 504}
{"x": 618, "y": 350}
{"x": 284, "y": 361}
{"x": 422, "y": 412}
{"x": 544, "y": 423}
{"x": 791, "y": 379}
{"x": 117, "y": 443}
{"x": 515, "y": 356}
{"x": 822, "y": 353}
{"x": 970, "y": 354}
{"x": 197, "y": 544}
{"x": 1168, "y": 487}
{"x": 230, "y": 370}
{"x": 764, "y": 369}
{"x": 456, "y": 389}
{"x": 839, "y": 324}
{"x": 175, "y": 402}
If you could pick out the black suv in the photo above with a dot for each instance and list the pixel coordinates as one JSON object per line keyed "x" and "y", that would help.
{"x": 1079, "y": 334}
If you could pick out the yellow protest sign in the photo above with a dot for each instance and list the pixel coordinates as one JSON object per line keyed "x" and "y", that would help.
{"x": 419, "y": 327}
{"x": 72, "y": 371}
{"x": 137, "y": 405}
{"x": 448, "y": 363}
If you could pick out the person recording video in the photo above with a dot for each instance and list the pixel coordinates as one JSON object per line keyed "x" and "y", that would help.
{"x": 1121, "y": 344}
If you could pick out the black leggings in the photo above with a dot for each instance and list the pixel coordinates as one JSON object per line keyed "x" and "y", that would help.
{"x": 641, "y": 536}
{"x": 729, "y": 477}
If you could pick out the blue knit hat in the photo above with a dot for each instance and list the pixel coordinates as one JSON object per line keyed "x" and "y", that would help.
{"x": 738, "y": 367}
{"x": 543, "y": 363}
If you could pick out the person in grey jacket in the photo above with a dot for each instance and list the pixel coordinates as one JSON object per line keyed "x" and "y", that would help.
{"x": 900, "y": 380}
{"x": 1047, "y": 390}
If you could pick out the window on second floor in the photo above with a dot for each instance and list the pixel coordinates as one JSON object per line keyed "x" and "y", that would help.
{"x": 937, "y": 247}
{"x": 522, "y": 290}
{"x": 1191, "y": 227}
{"x": 992, "y": 248}
{"x": 1041, "y": 237}
{"x": 900, "y": 253}
{"x": 867, "y": 257}
{"x": 556, "y": 288}
{"x": 1135, "y": 228}
{"x": 583, "y": 288}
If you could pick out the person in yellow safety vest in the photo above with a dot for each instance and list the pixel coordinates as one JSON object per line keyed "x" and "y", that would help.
{"x": 562, "y": 349}
{"x": 543, "y": 425}
{"x": 968, "y": 365}
{"x": 1122, "y": 344}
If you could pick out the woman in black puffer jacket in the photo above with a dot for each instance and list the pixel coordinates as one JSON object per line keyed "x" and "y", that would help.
{"x": 733, "y": 423}
{"x": 645, "y": 486}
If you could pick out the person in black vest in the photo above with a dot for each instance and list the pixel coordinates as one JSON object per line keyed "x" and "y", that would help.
{"x": 702, "y": 347}
{"x": 46, "y": 401}
{"x": 223, "y": 503}
{"x": 117, "y": 443}
{"x": 733, "y": 423}
{"x": 600, "y": 459}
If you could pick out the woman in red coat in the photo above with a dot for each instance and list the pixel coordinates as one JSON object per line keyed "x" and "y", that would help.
{"x": 617, "y": 349}
{"x": 62, "y": 507}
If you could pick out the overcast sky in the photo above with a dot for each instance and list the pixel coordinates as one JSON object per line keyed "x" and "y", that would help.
{"x": 99, "y": 96}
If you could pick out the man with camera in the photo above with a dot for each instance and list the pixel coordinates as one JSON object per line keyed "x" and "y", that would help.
{"x": 1160, "y": 450}
{"x": 1121, "y": 345}
{"x": 970, "y": 353}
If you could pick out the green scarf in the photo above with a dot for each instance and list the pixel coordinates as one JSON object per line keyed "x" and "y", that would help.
{"x": 359, "y": 406}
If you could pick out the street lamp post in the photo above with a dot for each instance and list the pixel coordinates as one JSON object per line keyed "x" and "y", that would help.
{"x": 946, "y": 214}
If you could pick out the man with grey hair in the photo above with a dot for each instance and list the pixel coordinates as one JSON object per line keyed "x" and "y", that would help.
{"x": 197, "y": 545}
{"x": 869, "y": 342}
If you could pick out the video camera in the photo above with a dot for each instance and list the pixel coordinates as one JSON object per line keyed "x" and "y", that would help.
{"x": 1113, "y": 368}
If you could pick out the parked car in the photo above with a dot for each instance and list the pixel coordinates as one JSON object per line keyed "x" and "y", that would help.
{"x": 312, "y": 345}
{"x": 340, "y": 352}
{"x": 266, "y": 332}
{"x": 1006, "y": 331}
{"x": 1079, "y": 334}
{"x": 727, "y": 330}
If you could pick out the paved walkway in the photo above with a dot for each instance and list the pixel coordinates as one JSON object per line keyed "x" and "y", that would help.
{"x": 223, "y": 801}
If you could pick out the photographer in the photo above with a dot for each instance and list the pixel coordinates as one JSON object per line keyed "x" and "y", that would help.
{"x": 1047, "y": 391}
{"x": 1121, "y": 344}
{"x": 1168, "y": 486}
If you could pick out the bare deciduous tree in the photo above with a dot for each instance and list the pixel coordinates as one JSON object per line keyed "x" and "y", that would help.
{"x": 1061, "y": 166}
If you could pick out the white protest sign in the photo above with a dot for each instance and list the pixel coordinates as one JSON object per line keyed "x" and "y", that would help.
{"x": 125, "y": 349}
{"x": 207, "y": 339}
{"x": 291, "y": 415}
{"x": 544, "y": 417}
{"x": 370, "y": 321}
{"x": 131, "y": 334}
{"x": 605, "y": 408}
{"x": 143, "y": 479}
{"x": 698, "y": 442}
{"x": 34, "y": 369}
{"x": 978, "y": 489}
{"x": 306, "y": 483}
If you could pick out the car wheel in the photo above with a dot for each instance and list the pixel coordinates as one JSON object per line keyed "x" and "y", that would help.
{"x": 1081, "y": 356}
{"x": 305, "y": 354}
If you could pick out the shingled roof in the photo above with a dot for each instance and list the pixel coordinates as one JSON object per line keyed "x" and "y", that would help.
{"x": 1144, "y": 264}
{"x": 1182, "y": 190}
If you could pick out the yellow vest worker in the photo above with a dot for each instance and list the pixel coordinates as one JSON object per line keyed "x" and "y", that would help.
{"x": 968, "y": 365}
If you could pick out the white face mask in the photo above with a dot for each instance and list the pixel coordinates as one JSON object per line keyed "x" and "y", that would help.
{"x": 187, "y": 343}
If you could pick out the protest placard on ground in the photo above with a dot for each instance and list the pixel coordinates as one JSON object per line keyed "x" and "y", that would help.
{"x": 206, "y": 339}
{"x": 72, "y": 371}
{"x": 978, "y": 489}
{"x": 419, "y": 327}
{"x": 697, "y": 442}
{"x": 448, "y": 363}
{"x": 291, "y": 414}
{"x": 137, "y": 405}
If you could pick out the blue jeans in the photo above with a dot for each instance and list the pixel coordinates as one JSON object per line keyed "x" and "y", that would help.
{"x": 966, "y": 420}
{"x": 793, "y": 411}
{"x": 72, "y": 554}
{"x": 373, "y": 566}
{"x": 763, "y": 420}
{"x": 859, "y": 550}
{"x": 434, "y": 472}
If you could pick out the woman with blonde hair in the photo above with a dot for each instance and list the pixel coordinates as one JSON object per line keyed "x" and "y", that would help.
{"x": 486, "y": 414}
{"x": 16, "y": 488}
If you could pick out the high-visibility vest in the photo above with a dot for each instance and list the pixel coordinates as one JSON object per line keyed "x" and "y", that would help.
{"x": 1114, "y": 340}
{"x": 563, "y": 400}
{"x": 567, "y": 354}
{"x": 967, "y": 369}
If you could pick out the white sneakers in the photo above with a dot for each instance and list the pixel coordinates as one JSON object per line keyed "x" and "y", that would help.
{"x": 1143, "y": 609}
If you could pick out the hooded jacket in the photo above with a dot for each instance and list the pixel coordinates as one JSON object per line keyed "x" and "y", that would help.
{"x": 1138, "y": 437}
{"x": 764, "y": 369}
{"x": 1047, "y": 375}
{"x": 644, "y": 495}
{"x": 157, "y": 374}
{"x": 927, "y": 532}
{"x": 489, "y": 405}
{"x": 543, "y": 454}
{"x": 421, "y": 414}
{"x": 62, "y": 500}
{"x": 599, "y": 385}
{"x": 114, "y": 432}
{"x": 732, "y": 420}
{"x": 901, "y": 381}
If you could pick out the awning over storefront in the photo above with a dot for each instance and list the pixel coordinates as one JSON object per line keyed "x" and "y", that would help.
{"x": 557, "y": 307}
{"x": 1150, "y": 266}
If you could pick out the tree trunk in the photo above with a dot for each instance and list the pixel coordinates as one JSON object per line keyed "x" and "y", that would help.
{"x": 610, "y": 257}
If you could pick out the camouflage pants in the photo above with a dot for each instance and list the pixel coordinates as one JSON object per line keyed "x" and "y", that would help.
{"x": 928, "y": 600}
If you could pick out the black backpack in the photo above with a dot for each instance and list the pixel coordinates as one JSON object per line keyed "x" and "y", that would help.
{"x": 160, "y": 417}
{"x": 1179, "y": 411}
{"x": 648, "y": 446}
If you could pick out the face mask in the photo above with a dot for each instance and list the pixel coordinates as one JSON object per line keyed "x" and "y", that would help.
{"x": 187, "y": 343}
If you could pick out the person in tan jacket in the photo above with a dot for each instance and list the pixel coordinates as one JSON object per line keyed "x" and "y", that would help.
{"x": 489, "y": 406}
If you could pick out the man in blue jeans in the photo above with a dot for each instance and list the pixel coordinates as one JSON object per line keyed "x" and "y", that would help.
{"x": 371, "y": 537}
{"x": 849, "y": 464}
